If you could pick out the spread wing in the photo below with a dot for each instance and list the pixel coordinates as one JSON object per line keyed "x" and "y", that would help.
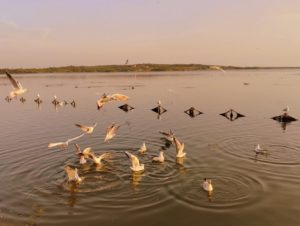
{"x": 179, "y": 146}
{"x": 71, "y": 173}
{"x": 14, "y": 82}
{"x": 50, "y": 145}
{"x": 82, "y": 127}
{"x": 74, "y": 138}
{"x": 119, "y": 97}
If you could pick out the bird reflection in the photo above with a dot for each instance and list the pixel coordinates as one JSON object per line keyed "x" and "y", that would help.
{"x": 38, "y": 211}
{"x": 136, "y": 179}
{"x": 232, "y": 115}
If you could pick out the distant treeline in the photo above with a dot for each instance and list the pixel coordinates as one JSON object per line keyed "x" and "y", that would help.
{"x": 121, "y": 68}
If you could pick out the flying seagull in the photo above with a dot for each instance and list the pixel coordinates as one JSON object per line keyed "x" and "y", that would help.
{"x": 111, "y": 131}
{"x": 73, "y": 174}
{"x": 18, "y": 89}
{"x": 86, "y": 129}
{"x": 64, "y": 144}
{"x": 135, "y": 163}
{"x": 179, "y": 148}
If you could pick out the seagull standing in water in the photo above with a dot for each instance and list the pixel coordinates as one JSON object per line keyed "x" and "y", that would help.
{"x": 18, "y": 89}
{"x": 159, "y": 158}
{"x": 207, "y": 185}
{"x": 143, "y": 148}
{"x": 179, "y": 148}
{"x": 135, "y": 163}
{"x": 286, "y": 110}
{"x": 73, "y": 174}
{"x": 86, "y": 129}
{"x": 98, "y": 159}
{"x": 65, "y": 144}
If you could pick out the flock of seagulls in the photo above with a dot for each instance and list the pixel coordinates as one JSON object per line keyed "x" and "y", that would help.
{"x": 136, "y": 166}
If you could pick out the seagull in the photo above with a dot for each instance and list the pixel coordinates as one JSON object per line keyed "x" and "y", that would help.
{"x": 286, "y": 110}
{"x": 159, "y": 158}
{"x": 65, "y": 144}
{"x": 38, "y": 100}
{"x": 111, "y": 131}
{"x": 259, "y": 150}
{"x": 135, "y": 163}
{"x": 86, "y": 129}
{"x": 83, "y": 155}
{"x": 103, "y": 100}
{"x": 143, "y": 148}
{"x": 207, "y": 185}
{"x": 169, "y": 136}
{"x": 73, "y": 174}
{"x": 97, "y": 159}
{"x": 18, "y": 89}
{"x": 179, "y": 148}
{"x": 56, "y": 102}
{"x": 119, "y": 97}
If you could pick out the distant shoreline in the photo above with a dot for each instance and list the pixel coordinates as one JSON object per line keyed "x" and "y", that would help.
{"x": 132, "y": 68}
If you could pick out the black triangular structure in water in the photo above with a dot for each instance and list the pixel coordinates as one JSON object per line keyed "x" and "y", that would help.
{"x": 126, "y": 107}
{"x": 284, "y": 118}
{"x": 159, "y": 110}
{"x": 193, "y": 112}
{"x": 232, "y": 115}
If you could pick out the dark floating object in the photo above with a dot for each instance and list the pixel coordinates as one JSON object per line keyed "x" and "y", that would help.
{"x": 22, "y": 99}
{"x": 159, "y": 109}
{"x": 73, "y": 104}
{"x": 284, "y": 118}
{"x": 8, "y": 99}
{"x": 126, "y": 107}
{"x": 192, "y": 112}
{"x": 232, "y": 115}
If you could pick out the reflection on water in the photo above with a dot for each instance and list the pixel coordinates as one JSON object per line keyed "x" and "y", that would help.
{"x": 262, "y": 187}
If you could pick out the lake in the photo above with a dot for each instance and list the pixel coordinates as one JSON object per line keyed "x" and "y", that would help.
{"x": 249, "y": 189}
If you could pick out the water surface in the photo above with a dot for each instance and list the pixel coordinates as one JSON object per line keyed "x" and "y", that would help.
{"x": 248, "y": 189}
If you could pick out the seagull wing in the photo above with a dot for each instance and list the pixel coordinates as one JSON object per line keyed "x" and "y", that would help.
{"x": 82, "y": 127}
{"x": 119, "y": 97}
{"x": 87, "y": 152}
{"x": 179, "y": 146}
{"x": 71, "y": 173}
{"x": 74, "y": 138}
{"x": 134, "y": 160}
{"x": 50, "y": 145}
{"x": 14, "y": 82}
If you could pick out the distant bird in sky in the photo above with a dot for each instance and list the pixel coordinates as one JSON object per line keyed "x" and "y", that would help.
{"x": 135, "y": 163}
{"x": 18, "y": 88}
{"x": 64, "y": 144}
{"x": 86, "y": 129}
{"x": 111, "y": 132}
{"x": 73, "y": 174}
{"x": 179, "y": 148}
{"x": 160, "y": 158}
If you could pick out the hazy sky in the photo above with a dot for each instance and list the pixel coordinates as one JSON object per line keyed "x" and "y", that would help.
{"x": 95, "y": 32}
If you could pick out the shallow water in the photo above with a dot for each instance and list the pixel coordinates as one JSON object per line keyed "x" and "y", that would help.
{"x": 248, "y": 189}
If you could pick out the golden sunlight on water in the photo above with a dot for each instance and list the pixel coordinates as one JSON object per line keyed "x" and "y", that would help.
{"x": 261, "y": 189}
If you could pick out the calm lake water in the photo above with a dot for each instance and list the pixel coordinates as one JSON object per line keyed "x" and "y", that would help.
{"x": 248, "y": 189}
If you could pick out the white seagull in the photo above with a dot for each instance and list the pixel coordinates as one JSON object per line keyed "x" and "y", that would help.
{"x": 86, "y": 129}
{"x": 207, "y": 185}
{"x": 159, "y": 158}
{"x": 135, "y": 163}
{"x": 64, "y": 144}
{"x": 143, "y": 148}
{"x": 97, "y": 159}
{"x": 286, "y": 110}
{"x": 111, "y": 131}
{"x": 83, "y": 155}
{"x": 18, "y": 89}
{"x": 179, "y": 148}
{"x": 73, "y": 174}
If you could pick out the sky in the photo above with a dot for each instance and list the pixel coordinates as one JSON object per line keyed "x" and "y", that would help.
{"x": 99, "y": 32}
